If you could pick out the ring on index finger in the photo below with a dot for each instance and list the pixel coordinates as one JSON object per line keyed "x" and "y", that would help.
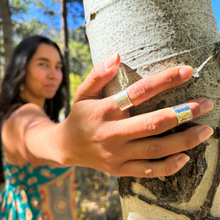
{"x": 122, "y": 100}
{"x": 183, "y": 113}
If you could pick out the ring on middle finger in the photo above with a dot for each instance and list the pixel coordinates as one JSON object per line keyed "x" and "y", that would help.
{"x": 122, "y": 100}
{"x": 183, "y": 113}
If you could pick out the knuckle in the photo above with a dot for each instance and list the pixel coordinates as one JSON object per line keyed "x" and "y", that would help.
{"x": 154, "y": 123}
{"x": 170, "y": 77}
{"x": 95, "y": 73}
{"x": 172, "y": 74}
{"x": 187, "y": 143}
{"x": 100, "y": 137}
{"x": 104, "y": 107}
{"x": 105, "y": 137}
{"x": 98, "y": 111}
{"x": 167, "y": 170}
{"x": 155, "y": 150}
{"x": 140, "y": 89}
{"x": 149, "y": 173}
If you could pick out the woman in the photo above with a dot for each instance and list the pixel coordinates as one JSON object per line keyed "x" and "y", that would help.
{"x": 39, "y": 154}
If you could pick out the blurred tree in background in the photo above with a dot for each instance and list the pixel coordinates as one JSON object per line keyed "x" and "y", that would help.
{"x": 97, "y": 192}
{"x": 5, "y": 14}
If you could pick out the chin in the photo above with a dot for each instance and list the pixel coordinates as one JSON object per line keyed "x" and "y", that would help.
{"x": 50, "y": 96}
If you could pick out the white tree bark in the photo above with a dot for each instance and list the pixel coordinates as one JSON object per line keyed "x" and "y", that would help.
{"x": 150, "y": 36}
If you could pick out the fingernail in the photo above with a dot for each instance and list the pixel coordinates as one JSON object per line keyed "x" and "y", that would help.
{"x": 182, "y": 160}
{"x": 110, "y": 61}
{"x": 205, "y": 133}
{"x": 186, "y": 72}
{"x": 206, "y": 106}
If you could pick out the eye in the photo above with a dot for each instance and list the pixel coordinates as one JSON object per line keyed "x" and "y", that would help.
{"x": 59, "y": 67}
{"x": 42, "y": 64}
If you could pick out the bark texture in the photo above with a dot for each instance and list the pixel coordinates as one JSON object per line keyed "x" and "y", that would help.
{"x": 65, "y": 41}
{"x": 150, "y": 36}
{"x": 7, "y": 29}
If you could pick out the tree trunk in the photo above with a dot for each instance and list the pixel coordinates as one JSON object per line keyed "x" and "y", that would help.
{"x": 7, "y": 29}
{"x": 150, "y": 36}
{"x": 65, "y": 41}
{"x": 1, "y": 51}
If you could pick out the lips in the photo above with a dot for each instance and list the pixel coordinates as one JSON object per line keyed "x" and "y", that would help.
{"x": 50, "y": 86}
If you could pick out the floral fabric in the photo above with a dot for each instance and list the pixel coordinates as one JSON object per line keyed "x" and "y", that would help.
{"x": 38, "y": 193}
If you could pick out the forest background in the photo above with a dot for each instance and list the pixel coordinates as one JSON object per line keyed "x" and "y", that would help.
{"x": 63, "y": 21}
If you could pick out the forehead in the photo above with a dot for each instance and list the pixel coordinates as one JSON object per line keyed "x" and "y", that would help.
{"x": 47, "y": 51}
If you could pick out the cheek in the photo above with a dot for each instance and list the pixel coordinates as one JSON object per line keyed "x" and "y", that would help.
{"x": 38, "y": 74}
{"x": 36, "y": 79}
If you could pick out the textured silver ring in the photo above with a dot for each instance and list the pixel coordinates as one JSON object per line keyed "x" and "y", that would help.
{"x": 183, "y": 113}
{"x": 122, "y": 100}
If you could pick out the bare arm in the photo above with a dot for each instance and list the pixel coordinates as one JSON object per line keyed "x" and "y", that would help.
{"x": 28, "y": 136}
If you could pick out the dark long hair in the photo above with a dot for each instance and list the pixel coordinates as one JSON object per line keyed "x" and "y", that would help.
{"x": 14, "y": 77}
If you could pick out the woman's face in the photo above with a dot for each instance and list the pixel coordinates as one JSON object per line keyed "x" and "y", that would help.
{"x": 44, "y": 74}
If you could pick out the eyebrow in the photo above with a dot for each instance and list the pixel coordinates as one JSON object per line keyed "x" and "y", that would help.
{"x": 45, "y": 59}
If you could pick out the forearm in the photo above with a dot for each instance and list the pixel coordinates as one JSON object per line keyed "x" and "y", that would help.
{"x": 42, "y": 145}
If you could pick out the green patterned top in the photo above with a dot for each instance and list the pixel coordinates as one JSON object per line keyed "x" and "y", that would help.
{"x": 38, "y": 193}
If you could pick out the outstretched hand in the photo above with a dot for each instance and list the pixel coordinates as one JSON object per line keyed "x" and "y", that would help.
{"x": 103, "y": 137}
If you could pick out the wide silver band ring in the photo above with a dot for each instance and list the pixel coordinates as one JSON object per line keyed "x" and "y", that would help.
{"x": 183, "y": 113}
{"x": 122, "y": 100}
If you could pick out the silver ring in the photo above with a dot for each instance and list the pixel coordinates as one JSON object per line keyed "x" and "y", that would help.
{"x": 122, "y": 100}
{"x": 183, "y": 113}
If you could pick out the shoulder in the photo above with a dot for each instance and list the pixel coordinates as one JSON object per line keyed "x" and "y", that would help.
{"x": 23, "y": 116}
{"x": 27, "y": 110}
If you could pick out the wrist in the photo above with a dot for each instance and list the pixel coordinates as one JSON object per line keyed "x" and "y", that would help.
{"x": 63, "y": 146}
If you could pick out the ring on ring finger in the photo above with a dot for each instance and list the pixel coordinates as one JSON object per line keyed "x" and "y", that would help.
{"x": 183, "y": 113}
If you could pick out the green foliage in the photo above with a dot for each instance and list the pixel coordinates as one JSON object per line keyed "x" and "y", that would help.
{"x": 40, "y": 4}
{"x": 19, "y": 6}
{"x": 75, "y": 81}
{"x": 25, "y": 24}
{"x": 28, "y": 28}
{"x": 79, "y": 55}
{"x": 97, "y": 195}
{"x": 80, "y": 63}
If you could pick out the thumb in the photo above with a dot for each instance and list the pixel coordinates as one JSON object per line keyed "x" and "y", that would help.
{"x": 98, "y": 78}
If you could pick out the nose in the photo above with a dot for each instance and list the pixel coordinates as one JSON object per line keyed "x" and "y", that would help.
{"x": 53, "y": 73}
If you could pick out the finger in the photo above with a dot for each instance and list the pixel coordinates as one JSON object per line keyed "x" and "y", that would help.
{"x": 149, "y": 169}
{"x": 148, "y": 87}
{"x": 157, "y": 122}
{"x": 154, "y": 148}
{"x": 98, "y": 78}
